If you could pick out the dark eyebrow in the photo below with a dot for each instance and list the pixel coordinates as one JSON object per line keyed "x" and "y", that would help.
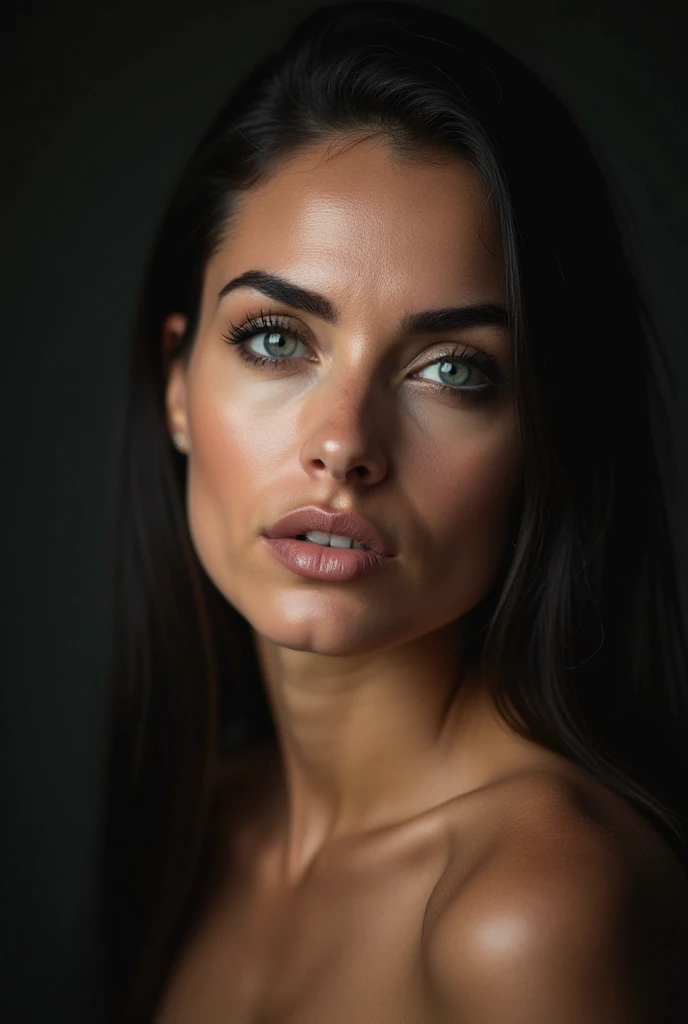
{"x": 429, "y": 321}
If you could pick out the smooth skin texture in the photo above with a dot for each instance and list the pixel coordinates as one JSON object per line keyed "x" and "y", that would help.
{"x": 403, "y": 857}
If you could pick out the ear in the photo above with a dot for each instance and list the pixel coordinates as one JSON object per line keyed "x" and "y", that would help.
{"x": 173, "y": 329}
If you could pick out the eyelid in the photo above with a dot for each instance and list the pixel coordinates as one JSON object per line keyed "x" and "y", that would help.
{"x": 452, "y": 348}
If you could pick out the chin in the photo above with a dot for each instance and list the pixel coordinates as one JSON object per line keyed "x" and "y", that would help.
{"x": 310, "y": 625}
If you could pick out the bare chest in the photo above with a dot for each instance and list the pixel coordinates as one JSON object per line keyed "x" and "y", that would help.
{"x": 350, "y": 942}
{"x": 340, "y": 950}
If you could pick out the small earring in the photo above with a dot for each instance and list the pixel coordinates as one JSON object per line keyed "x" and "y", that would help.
{"x": 179, "y": 439}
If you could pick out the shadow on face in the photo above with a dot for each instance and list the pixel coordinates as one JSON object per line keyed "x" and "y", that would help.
{"x": 414, "y": 429}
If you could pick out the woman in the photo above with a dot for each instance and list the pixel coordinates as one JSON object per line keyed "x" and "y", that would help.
{"x": 390, "y": 306}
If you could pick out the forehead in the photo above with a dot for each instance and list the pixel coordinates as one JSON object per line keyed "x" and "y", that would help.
{"x": 369, "y": 230}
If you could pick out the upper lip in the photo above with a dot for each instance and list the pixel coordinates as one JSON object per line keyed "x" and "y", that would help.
{"x": 344, "y": 524}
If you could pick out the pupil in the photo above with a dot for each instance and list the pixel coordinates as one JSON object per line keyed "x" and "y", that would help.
{"x": 279, "y": 343}
{"x": 450, "y": 368}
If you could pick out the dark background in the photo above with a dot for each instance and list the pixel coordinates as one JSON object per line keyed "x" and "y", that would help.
{"x": 101, "y": 103}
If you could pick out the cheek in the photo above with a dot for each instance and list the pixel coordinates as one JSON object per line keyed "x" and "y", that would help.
{"x": 474, "y": 484}
{"x": 463, "y": 501}
{"x": 238, "y": 448}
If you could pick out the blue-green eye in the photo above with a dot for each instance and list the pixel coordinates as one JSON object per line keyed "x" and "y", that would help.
{"x": 280, "y": 340}
{"x": 277, "y": 343}
{"x": 460, "y": 370}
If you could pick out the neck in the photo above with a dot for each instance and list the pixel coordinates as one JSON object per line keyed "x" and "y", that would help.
{"x": 371, "y": 741}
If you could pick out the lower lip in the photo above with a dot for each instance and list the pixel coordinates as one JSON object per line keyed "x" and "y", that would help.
{"x": 321, "y": 562}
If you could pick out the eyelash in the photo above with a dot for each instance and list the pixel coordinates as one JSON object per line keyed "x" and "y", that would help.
{"x": 239, "y": 334}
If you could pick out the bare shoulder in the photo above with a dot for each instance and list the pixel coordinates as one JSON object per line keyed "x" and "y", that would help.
{"x": 576, "y": 911}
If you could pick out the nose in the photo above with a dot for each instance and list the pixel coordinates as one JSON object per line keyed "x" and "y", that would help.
{"x": 344, "y": 440}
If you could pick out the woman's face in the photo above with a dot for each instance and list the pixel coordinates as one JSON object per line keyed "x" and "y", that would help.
{"x": 352, "y": 416}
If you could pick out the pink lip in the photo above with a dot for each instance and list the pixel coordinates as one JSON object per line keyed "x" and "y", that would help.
{"x": 320, "y": 562}
{"x": 344, "y": 524}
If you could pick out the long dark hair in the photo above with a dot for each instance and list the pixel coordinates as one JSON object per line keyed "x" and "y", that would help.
{"x": 581, "y": 636}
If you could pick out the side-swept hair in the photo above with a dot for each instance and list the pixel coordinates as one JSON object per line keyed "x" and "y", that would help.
{"x": 581, "y": 636}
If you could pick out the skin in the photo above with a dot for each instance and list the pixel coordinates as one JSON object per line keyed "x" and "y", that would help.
{"x": 402, "y": 856}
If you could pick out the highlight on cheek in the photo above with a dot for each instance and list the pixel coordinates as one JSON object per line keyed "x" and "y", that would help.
{"x": 476, "y": 374}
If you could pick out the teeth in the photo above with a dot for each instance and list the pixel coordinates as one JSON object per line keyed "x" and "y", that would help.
{"x": 340, "y": 542}
{"x": 333, "y": 540}
{"x": 317, "y": 537}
